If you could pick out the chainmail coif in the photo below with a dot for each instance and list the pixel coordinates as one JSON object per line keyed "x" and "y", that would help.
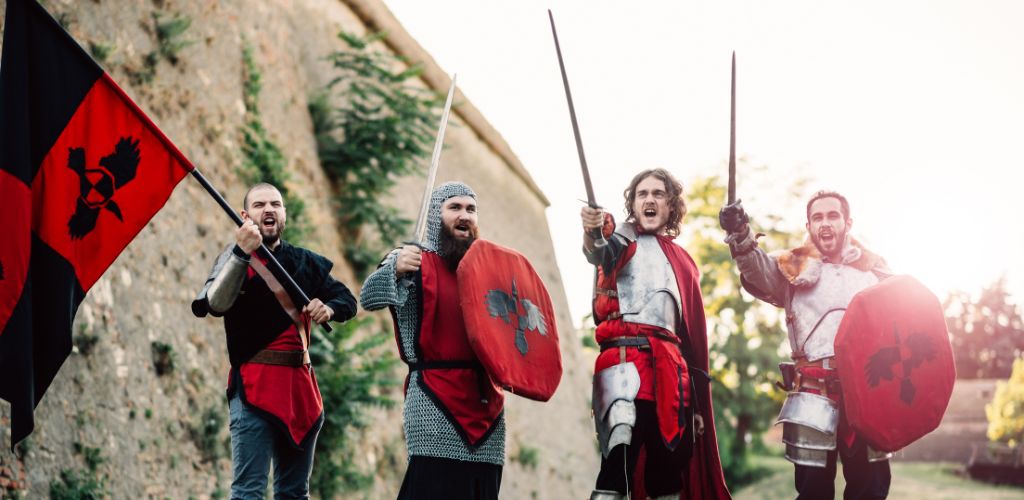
{"x": 437, "y": 198}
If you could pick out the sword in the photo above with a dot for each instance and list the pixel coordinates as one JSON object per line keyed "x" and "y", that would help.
{"x": 596, "y": 234}
{"x": 421, "y": 220}
{"x": 732, "y": 136}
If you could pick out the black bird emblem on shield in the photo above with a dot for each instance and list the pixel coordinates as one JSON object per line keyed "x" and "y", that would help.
{"x": 506, "y": 306}
{"x": 98, "y": 185}
{"x": 880, "y": 365}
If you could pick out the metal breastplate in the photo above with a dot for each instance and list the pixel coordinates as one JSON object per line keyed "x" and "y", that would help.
{"x": 647, "y": 288}
{"x": 817, "y": 310}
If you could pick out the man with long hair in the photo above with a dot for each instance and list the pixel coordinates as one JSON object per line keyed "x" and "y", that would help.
{"x": 652, "y": 398}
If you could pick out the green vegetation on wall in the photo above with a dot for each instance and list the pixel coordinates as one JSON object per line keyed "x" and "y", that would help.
{"x": 81, "y": 484}
{"x": 382, "y": 129}
{"x": 353, "y": 374}
{"x": 263, "y": 160}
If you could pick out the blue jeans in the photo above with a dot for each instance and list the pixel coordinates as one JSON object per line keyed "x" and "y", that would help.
{"x": 254, "y": 444}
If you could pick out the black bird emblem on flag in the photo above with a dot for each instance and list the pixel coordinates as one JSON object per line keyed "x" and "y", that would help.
{"x": 98, "y": 185}
{"x": 506, "y": 306}
{"x": 880, "y": 364}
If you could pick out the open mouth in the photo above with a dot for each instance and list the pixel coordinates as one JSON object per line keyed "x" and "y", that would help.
{"x": 826, "y": 236}
{"x": 462, "y": 229}
{"x": 269, "y": 222}
{"x": 650, "y": 212}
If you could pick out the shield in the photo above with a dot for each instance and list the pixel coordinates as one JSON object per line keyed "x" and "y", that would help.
{"x": 509, "y": 320}
{"x": 895, "y": 363}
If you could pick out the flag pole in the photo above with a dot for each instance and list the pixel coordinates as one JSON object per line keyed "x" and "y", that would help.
{"x": 272, "y": 263}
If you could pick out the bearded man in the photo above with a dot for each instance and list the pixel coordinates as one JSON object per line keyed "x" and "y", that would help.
{"x": 274, "y": 403}
{"x": 651, "y": 386}
{"x": 814, "y": 284}
{"x": 453, "y": 417}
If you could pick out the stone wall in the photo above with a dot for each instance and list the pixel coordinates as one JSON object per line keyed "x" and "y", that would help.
{"x": 147, "y": 427}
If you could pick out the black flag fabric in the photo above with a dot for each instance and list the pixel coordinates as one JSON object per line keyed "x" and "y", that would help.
{"x": 82, "y": 171}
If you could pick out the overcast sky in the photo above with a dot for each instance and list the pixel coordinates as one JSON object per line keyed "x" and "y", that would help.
{"x": 913, "y": 109}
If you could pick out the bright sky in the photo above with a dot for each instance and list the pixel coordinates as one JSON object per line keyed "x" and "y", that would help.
{"x": 913, "y": 109}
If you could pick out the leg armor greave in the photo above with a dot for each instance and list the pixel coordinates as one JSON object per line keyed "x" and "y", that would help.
{"x": 615, "y": 390}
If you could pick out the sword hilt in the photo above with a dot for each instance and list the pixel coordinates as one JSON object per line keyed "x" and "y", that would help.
{"x": 597, "y": 234}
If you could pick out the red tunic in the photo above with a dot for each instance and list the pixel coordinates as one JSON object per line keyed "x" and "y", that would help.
{"x": 450, "y": 373}
{"x": 664, "y": 375}
{"x": 287, "y": 395}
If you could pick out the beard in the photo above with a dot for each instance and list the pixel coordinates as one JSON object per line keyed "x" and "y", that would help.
{"x": 452, "y": 249}
{"x": 838, "y": 241}
{"x": 270, "y": 236}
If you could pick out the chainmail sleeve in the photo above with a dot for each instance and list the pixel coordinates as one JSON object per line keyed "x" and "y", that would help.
{"x": 380, "y": 289}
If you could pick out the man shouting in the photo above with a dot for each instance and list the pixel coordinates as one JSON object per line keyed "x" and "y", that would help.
{"x": 651, "y": 387}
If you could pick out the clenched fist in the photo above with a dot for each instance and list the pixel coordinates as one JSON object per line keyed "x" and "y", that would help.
{"x": 248, "y": 237}
{"x": 408, "y": 261}
{"x": 733, "y": 218}
{"x": 593, "y": 219}
{"x": 318, "y": 311}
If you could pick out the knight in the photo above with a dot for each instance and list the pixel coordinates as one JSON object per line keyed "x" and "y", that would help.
{"x": 815, "y": 284}
{"x": 450, "y": 294}
{"x": 651, "y": 392}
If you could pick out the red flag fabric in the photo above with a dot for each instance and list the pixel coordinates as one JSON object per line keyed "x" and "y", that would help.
{"x": 82, "y": 171}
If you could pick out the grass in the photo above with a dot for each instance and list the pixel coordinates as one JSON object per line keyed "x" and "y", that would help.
{"x": 934, "y": 481}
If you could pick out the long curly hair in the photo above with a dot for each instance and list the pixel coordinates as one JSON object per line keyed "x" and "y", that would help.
{"x": 675, "y": 203}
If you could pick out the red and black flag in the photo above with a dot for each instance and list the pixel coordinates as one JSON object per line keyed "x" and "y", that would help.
{"x": 82, "y": 170}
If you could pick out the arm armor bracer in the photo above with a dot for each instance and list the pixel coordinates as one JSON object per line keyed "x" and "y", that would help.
{"x": 225, "y": 286}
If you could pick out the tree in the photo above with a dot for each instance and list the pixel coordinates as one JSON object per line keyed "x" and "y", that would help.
{"x": 1006, "y": 411}
{"x": 745, "y": 334}
{"x": 987, "y": 334}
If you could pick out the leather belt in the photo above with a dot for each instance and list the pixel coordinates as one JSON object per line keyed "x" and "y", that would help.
{"x": 281, "y": 358}
{"x": 443, "y": 365}
{"x": 621, "y": 343}
{"x": 638, "y": 342}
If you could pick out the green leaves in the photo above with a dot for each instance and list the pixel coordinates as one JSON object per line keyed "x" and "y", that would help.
{"x": 381, "y": 131}
{"x": 744, "y": 334}
{"x": 262, "y": 159}
{"x": 1006, "y": 411}
{"x": 354, "y": 371}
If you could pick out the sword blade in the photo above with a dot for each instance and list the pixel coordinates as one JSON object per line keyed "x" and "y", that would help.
{"x": 732, "y": 135}
{"x": 572, "y": 116}
{"x": 435, "y": 158}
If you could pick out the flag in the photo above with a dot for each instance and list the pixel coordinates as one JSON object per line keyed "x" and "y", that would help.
{"x": 82, "y": 171}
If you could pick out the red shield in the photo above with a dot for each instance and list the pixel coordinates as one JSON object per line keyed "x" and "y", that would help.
{"x": 509, "y": 320}
{"x": 895, "y": 363}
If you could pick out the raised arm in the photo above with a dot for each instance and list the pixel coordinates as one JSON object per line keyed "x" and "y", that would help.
{"x": 606, "y": 252}
{"x": 759, "y": 271}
